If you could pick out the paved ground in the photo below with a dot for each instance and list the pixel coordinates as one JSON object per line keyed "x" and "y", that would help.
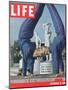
{"x": 14, "y": 78}
{"x": 36, "y": 78}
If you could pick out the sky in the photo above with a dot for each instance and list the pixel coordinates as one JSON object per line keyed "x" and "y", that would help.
{"x": 15, "y": 24}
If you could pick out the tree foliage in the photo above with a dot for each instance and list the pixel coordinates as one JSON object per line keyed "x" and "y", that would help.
{"x": 15, "y": 52}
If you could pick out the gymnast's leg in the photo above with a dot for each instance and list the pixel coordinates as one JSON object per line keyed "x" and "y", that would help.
{"x": 59, "y": 41}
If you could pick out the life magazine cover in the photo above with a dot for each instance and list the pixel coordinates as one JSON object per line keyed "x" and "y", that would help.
{"x": 37, "y": 44}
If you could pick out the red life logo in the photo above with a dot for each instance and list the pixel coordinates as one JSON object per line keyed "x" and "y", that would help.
{"x": 22, "y": 10}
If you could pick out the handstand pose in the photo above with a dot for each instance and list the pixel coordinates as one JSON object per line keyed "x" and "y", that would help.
{"x": 25, "y": 34}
